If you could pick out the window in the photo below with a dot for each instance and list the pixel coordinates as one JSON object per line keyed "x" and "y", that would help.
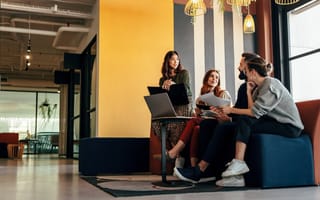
{"x": 19, "y": 113}
{"x": 304, "y": 51}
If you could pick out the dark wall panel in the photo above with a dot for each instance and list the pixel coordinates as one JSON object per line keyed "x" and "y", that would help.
{"x": 208, "y": 40}
{"x": 229, "y": 53}
{"x": 183, "y": 40}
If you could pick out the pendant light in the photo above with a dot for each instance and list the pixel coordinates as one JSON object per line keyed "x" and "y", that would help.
{"x": 195, "y": 8}
{"x": 248, "y": 24}
{"x": 239, "y": 2}
{"x": 286, "y": 2}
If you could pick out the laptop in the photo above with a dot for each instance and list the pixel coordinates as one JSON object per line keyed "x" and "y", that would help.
{"x": 177, "y": 93}
{"x": 160, "y": 106}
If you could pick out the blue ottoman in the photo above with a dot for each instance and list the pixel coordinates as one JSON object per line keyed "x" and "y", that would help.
{"x": 277, "y": 161}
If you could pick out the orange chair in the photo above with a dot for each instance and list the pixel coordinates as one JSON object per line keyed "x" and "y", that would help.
{"x": 310, "y": 115}
{"x": 155, "y": 148}
{"x": 13, "y": 147}
{"x": 9, "y": 138}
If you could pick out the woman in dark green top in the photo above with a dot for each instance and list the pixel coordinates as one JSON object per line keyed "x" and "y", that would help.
{"x": 174, "y": 73}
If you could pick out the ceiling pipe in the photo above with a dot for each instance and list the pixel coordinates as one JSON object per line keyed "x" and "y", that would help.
{"x": 73, "y": 2}
{"x": 45, "y": 10}
{"x": 21, "y": 20}
{"x": 27, "y": 31}
{"x": 30, "y": 21}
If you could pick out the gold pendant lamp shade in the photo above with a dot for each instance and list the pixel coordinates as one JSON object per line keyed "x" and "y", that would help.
{"x": 248, "y": 24}
{"x": 239, "y": 2}
{"x": 286, "y": 2}
{"x": 195, "y": 8}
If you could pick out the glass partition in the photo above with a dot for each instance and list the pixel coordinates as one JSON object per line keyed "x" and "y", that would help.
{"x": 34, "y": 115}
{"x": 18, "y": 112}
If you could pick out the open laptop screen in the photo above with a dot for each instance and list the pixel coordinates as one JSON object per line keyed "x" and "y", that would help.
{"x": 160, "y": 105}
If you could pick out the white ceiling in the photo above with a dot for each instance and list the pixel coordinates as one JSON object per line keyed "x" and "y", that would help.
{"x": 54, "y": 26}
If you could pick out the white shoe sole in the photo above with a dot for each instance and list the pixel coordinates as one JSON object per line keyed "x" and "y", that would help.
{"x": 232, "y": 183}
{"x": 202, "y": 180}
{"x": 177, "y": 173}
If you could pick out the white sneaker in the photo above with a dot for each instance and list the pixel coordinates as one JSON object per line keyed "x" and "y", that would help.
{"x": 236, "y": 167}
{"x": 231, "y": 181}
{"x": 179, "y": 163}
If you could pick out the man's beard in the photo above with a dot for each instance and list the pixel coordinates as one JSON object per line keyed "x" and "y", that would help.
{"x": 242, "y": 76}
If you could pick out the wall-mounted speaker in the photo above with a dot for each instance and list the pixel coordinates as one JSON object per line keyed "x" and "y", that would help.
{"x": 63, "y": 77}
{"x": 72, "y": 61}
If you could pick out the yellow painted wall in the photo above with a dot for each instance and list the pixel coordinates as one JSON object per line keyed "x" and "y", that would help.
{"x": 132, "y": 40}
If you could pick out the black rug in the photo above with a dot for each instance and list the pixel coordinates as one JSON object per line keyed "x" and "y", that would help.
{"x": 133, "y": 185}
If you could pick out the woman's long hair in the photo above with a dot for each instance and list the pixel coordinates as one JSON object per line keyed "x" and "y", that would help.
{"x": 166, "y": 70}
{"x": 207, "y": 88}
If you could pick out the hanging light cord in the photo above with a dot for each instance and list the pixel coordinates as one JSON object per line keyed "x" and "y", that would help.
{"x": 29, "y": 42}
{"x": 29, "y": 27}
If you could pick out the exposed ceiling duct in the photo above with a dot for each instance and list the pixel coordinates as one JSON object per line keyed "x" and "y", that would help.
{"x": 14, "y": 20}
{"x": 54, "y": 28}
{"x": 27, "y": 31}
{"x": 69, "y": 38}
{"x": 45, "y": 10}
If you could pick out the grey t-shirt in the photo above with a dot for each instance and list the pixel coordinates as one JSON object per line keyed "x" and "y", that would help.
{"x": 274, "y": 100}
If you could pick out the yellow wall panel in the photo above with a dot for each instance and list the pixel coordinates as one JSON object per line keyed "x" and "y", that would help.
{"x": 132, "y": 40}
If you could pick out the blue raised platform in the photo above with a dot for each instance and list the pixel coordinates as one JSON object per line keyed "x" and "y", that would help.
{"x": 113, "y": 155}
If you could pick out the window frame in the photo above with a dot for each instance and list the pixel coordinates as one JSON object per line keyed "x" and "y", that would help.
{"x": 280, "y": 36}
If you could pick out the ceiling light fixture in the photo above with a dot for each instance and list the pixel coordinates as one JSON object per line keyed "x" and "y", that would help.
{"x": 29, "y": 46}
{"x": 239, "y": 2}
{"x": 248, "y": 24}
{"x": 286, "y": 2}
{"x": 195, "y": 8}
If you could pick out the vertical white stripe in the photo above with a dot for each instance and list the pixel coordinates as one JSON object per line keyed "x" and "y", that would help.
{"x": 238, "y": 43}
{"x": 219, "y": 47}
{"x": 199, "y": 53}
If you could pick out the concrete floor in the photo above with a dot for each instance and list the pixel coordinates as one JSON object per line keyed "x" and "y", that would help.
{"x": 47, "y": 177}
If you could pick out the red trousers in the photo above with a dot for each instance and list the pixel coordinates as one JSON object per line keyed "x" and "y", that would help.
{"x": 191, "y": 134}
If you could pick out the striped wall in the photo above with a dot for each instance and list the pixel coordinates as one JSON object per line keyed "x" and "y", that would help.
{"x": 215, "y": 40}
